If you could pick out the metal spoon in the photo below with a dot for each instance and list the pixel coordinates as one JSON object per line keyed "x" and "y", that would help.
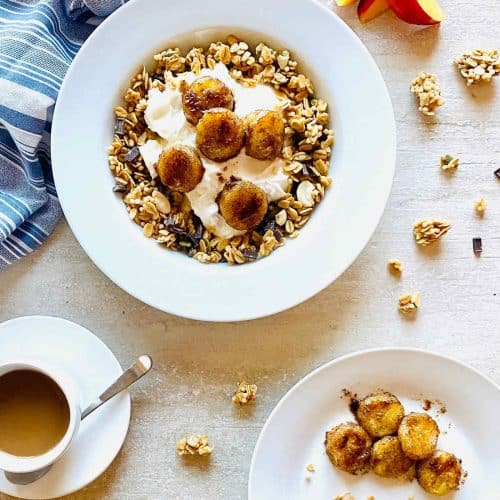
{"x": 137, "y": 370}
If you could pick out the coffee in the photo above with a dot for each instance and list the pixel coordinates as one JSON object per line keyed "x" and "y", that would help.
{"x": 34, "y": 413}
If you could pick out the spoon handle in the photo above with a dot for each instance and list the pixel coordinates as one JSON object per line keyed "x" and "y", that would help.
{"x": 137, "y": 370}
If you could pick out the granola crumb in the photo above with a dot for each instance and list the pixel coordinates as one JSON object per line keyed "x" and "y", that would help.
{"x": 409, "y": 303}
{"x": 194, "y": 445}
{"x": 449, "y": 163}
{"x": 395, "y": 266}
{"x": 345, "y": 496}
{"x": 245, "y": 393}
{"x": 307, "y": 478}
{"x": 478, "y": 65}
{"x": 310, "y": 468}
{"x": 371, "y": 497}
{"x": 426, "y": 231}
{"x": 480, "y": 206}
{"x": 426, "y": 88}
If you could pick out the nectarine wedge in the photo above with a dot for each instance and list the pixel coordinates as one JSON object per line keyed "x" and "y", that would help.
{"x": 343, "y": 3}
{"x": 418, "y": 11}
{"x": 370, "y": 9}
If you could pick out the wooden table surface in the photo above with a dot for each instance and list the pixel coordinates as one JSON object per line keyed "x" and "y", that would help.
{"x": 198, "y": 364}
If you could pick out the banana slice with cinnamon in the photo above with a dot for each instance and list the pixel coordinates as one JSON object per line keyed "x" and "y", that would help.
{"x": 180, "y": 168}
{"x": 220, "y": 134}
{"x": 243, "y": 205}
{"x": 203, "y": 94}
{"x": 265, "y": 134}
{"x": 440, "y": 473}
{"x": 348, "y": 447}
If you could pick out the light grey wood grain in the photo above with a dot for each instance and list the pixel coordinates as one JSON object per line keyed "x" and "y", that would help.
{"x": 198, "y": 364}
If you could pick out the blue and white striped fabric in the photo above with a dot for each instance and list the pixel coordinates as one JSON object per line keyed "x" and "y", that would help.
{"x": 38, "y": 40}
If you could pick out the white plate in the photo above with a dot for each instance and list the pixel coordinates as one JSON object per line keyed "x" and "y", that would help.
{"x": 362, "y": 166}
{"x": 294, "y": 433}
{"x": 93, "y": 367}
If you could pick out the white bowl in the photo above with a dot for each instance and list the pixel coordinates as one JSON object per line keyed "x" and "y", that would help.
{"x": 362, "y": 163}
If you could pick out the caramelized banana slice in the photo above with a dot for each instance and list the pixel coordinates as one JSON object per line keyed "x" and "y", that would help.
{"x": 348, "y": 448}
{"x": 388, "y": 459}
{"x": 440, "y": 473}
{"x": 205, "y": 93}
{"x": 418, "y": 434}
{"x": 220, "y": 134}
{"x": 380, "y": 414}
{"x": 179, "y": 167}
{"x": 242, "y": 204}
{"x": 265, "y": 134}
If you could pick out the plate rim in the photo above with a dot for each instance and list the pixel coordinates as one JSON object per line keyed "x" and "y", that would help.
{"x": 267, "y": 309}
{"x": 338, "y": 360}
{"x": 44, "y": 317}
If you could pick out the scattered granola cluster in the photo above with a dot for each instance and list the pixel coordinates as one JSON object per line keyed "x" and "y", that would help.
{"x": 479, "y": 65}
{"x": 428, "y": 231}
{"x": 245, "y": 393}
{"x": 480, "y": 206}
{"x": 449, "y": 163}
{"x": 409, "y": 303}
{"x": 345, "y": 496}
{"x": 194, "y": 445}
{"x": 395, "y": 266}
{"x": 167, "y": 216}
{"x": 425, "y": 86}
{"x": 310, "y": 468}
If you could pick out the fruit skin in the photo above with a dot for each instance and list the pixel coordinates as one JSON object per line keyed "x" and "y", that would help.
{"x": 348, "y": 447}
{"x": 370, "y": 9}
{"x": 344, "y": 3}
{"x": 220, "y": 134}
{"x": 180, "y": 168}
{"x": 440, "y": 473}
{"x": 422, "y": 12}
{"x": 205, "y": 93}
{"x": 388, "y": 459}
{"x": 418, "y": 435}
{"x": 265, "y": 134}
{"x": 243, "y": 205}
{"x": 380, "y": 414}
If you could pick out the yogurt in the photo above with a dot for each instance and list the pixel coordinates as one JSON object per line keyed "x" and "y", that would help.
{"x": 164, "y": 115}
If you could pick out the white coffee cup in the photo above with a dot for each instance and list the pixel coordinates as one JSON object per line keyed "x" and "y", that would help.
{"x": 17, "y": 464}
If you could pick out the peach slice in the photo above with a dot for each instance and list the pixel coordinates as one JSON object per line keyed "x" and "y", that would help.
{"x": 343, "y": 3}
{"x": 418, "y": 11}
{"x": 370, "y": 9}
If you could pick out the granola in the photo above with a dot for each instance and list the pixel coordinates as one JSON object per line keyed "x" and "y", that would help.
{"x": 478, "y": 65}
{"x": 480, "y": 206}
{"x": 430, "y": 230}
{"x": 345, "y": 496}
{"x": 194, "y": 445}
{"x": 426, "y": 88}
{"x": 245, "y": 393}
{"x": 166, "y": 216}
{"x": 395, "y": 266}
{"x": 409, "y": 303}
{"x": 449, "y": 163}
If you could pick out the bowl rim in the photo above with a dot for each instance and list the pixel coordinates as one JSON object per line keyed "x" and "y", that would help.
{"x": 267, "y": 309}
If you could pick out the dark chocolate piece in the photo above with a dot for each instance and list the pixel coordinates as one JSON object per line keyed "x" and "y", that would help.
{"x": 132, "y": 154}
{"x": 497, "y": 173}
{"x": 119, "y": 126}
{"x": 477, "y": 245}
{"x": 250, "y": 254}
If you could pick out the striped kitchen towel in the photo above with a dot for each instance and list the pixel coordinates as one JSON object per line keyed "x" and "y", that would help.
{"x": 38, "y": 40}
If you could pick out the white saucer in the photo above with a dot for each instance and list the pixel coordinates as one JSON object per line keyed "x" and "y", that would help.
{"x": 93, "y": 367}
{"x": 294, "y": 433}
